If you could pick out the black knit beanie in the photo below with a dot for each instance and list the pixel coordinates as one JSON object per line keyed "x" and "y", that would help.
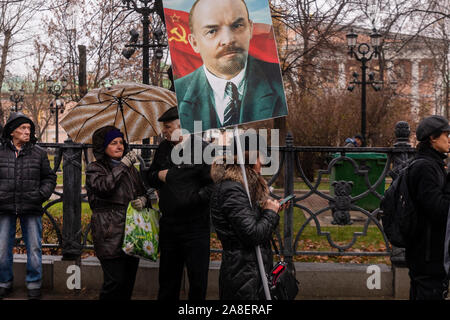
{"x": 15, "y": 124}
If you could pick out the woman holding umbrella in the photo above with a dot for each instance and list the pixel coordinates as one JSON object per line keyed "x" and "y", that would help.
{"x": 112, "y": 182}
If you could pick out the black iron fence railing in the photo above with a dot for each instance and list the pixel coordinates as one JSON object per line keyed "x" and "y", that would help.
{"x": 320, "y": 205}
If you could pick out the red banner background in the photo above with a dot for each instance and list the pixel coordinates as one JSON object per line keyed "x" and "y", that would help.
{"x": 185, "y": 60}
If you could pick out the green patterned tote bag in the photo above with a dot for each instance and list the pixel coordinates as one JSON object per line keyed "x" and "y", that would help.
{"x": 141, "y": 233}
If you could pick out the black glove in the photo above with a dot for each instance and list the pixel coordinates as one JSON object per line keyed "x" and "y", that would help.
{"x": 139, "y": 203}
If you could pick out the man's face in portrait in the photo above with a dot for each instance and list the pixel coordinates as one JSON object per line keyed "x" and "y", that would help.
{"x": 221, "y": 33}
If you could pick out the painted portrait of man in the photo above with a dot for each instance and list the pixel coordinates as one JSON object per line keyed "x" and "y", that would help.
{"x": 231, "y": 86}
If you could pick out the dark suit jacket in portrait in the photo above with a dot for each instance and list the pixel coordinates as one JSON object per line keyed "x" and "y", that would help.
{"x": 263, "y": 98}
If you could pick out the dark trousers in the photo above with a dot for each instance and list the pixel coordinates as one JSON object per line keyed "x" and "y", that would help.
{"x": 426, "y": 287}
{"x": 183, "y": 244}
{"x": 119, "y": 275}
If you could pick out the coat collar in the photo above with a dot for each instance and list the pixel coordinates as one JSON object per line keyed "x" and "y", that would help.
{"x": 25, "y": 149}
{"x": 432, "y": 154}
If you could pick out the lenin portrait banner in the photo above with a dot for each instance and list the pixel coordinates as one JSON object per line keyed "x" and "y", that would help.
{"x": 225, "y": 62}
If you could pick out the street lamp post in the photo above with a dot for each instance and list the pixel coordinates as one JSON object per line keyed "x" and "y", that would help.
{"x": 364, "y": 53}
{"x": 147, "y": 8}
{"x": 57, "y": 105}
{"x": 16, "y": 97}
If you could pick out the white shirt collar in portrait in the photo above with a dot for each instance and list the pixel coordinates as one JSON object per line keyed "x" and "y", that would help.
{"x": 218, "y": 86}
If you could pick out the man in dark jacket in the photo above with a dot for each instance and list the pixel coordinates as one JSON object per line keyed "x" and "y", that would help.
{"x": 26, "y": 181}
{"x": 183, "y": 191}
{"x": 426, "y": 182}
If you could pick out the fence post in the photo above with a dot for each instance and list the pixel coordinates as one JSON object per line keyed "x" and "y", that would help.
{"x": 288, "y": 190}
{"x": 402, "y": 134}
{"x": 71, "y": 231}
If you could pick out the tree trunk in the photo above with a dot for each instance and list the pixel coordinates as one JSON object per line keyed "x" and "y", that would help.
{"x": 5, "y": 49}
{"x": 82, "y": 80}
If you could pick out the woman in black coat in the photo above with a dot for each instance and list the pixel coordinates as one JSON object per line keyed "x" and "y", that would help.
{"x": 240, "y": 228}
{"x": 112, "y": 182}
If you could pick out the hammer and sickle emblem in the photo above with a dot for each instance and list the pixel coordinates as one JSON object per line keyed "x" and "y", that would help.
{"x": 177, "y": 36}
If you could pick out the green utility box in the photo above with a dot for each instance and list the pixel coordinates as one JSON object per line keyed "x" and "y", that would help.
{"x": 344, "y": 170}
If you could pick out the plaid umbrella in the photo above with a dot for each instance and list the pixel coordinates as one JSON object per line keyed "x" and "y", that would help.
{"x": 131, "y": 107}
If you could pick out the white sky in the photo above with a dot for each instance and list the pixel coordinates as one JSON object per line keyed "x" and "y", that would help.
{"x": 258, "y": 9}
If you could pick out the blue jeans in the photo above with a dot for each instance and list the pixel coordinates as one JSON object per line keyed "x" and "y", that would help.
{"x": 32, "y": 234}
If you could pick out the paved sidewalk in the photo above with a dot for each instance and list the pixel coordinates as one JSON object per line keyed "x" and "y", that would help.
{"x": 48, "y": 294}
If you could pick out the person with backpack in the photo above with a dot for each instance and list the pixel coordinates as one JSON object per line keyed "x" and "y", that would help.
{"x": 426, "y": 180}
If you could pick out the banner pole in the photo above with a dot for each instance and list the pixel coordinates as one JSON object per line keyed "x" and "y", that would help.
{"x": 241, "y": 161}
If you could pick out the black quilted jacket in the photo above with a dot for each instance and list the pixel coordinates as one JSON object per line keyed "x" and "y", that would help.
{"x": 240, "y": 228}
{"x": 26, "y": 181}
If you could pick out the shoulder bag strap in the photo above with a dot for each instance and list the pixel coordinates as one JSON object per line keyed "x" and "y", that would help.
{"x": 277, "y": 252}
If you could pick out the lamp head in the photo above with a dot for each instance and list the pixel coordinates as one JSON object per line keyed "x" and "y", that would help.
{"x": 49, "y": 83}
{"x": 134, "y": 36}
{"x": 158, "y": 34}
{"x": 351, "y": 39}
{"x": 375, "y": 40}
{"x": 128, "y": 52}
{"x": 64, "y": 82}
{"x": 159, "y": 54}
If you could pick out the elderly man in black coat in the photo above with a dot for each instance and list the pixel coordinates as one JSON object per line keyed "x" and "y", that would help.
{"x": 184, "y": 192}
{"x": 26, "y": 181}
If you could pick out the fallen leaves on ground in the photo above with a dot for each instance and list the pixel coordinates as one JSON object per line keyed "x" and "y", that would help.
{"x": 50, "y": 236}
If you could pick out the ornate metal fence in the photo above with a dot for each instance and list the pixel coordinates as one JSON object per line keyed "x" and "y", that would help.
{"x": 337, "y": 203}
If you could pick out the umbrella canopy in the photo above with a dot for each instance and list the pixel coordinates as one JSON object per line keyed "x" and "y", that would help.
{"x": 131, "y": 107}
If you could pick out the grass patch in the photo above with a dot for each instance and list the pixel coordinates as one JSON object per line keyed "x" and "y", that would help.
{"x": 311, "y": 240}
{"x": 56, "y": 210}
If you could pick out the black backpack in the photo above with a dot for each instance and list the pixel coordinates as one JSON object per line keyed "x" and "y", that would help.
{"x": 399, "y": 215}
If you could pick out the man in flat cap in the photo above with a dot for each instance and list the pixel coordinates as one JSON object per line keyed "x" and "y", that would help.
{"x": 184, "y": 192}
{"x": 26, "y": 181}
{"x": 427, "y": 180}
